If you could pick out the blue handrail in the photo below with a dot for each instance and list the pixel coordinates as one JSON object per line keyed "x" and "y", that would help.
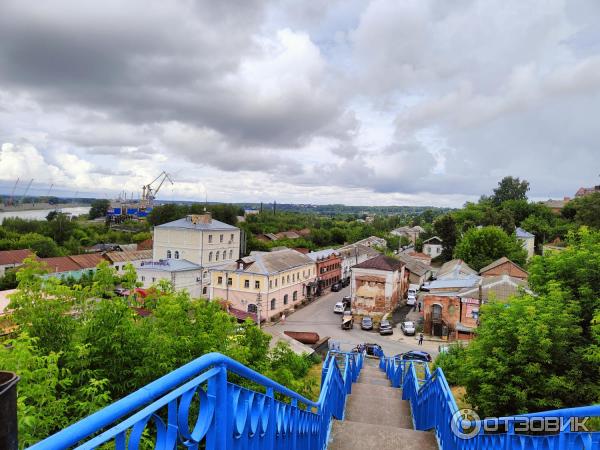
{"x": 433, "y": 407}
{"x": 228, "y": 415}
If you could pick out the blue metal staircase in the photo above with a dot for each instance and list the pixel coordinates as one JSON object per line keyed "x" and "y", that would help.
{"x": 198, "y": 406}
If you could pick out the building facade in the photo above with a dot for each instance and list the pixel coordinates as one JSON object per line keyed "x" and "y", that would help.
{"x": 377, "y": 286}
{"x": 504, "y": 266}
{"x": 411, "y": 233}
{"x": 265, "y": 283}
{"x": 354, "y": 254}
{"x": 183, "y": 274}
{"x": 527, "y": 241}
{"x": 432, "y": 247}
{"x": 329, "y": 268}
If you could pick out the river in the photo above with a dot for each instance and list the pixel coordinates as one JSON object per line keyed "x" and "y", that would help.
{"x": 40, "y": 214}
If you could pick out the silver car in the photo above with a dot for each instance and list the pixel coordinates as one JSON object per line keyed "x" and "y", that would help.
{"x": 408, "y": 328}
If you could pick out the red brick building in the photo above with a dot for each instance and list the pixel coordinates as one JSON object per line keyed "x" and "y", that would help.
{"x": 329, "y": 268}
{"x": 504, "y": 266}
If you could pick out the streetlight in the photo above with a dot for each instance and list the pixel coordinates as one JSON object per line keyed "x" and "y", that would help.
{"x": 259, "y": 305}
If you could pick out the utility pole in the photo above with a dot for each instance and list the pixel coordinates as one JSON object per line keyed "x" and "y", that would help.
{"x": 259, "y": 307}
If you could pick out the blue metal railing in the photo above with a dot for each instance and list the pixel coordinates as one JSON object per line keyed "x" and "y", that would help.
{"x": 433, "y": 407}
{"x": 225, "y": 415}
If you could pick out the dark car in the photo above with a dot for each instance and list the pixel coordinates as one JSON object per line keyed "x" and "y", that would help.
{"x": 385, "y": 327}
{"x": 366, "y": 323}
{"x": 346, "y": 282}
{"x": 336, "y": 287}
{"x": 370, "y": 349}
{"x": 417, "y": 355}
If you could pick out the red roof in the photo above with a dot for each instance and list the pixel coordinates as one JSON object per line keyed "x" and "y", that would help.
{"x": 145, "y": 245}
{"x": 14, "y": 256}
{"x": 87, "y": 261}
{"x": 381, "y": 262}
{"x": 242, "y": 315}
{"x": 60, "y": 264}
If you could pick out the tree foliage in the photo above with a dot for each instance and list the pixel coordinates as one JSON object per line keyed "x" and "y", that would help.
{"x": 482, "y": 246}
{"x": 99, "y": 208}
{"x": 510, "y": 188}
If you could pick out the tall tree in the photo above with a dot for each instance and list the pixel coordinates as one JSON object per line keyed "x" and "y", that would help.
{"x": 482, "y": 246}
{"x": 510, "y": 188}
{"x": 445, "y": 228}
{"x": 99, "y": 208}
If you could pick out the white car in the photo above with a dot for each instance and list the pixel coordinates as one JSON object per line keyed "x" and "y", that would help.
{"x": 408, "y": 328}
{"x": 338, "y": 308}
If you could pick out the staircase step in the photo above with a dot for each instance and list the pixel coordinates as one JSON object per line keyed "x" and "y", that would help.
{"x": 348, "y": 435}
{"x": 376, "y": 391}
{"x": 371, "y": 380}
{"x": 372, "y": 372}
{"x": 391, "y": 412}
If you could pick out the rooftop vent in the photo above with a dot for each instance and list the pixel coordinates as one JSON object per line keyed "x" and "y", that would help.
{"x": 200, "y": 218}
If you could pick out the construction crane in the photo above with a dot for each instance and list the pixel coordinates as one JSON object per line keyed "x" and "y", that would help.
{"x": 10, "y": 199}
{"x": 149, "y": 193}
{"x": 26, "y": 191}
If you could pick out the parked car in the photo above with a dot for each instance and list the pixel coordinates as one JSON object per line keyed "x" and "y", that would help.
{"x": 347, "y": 320}
{"x": 370, "y": 349}
{"x": 417, "y": 355}
{"x": 385, "y": 327}
{"x": 346, "y": 282}
{"x": 338, "y": 308}
{"x": 366, "y": 323}
{"x": 412, "y": 294}
{"x": 408, "y": 328}
{"x": 346, "y": 301}
{"x": 336, "y": 287}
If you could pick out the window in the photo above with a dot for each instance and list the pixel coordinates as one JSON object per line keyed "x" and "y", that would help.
{"x": 295, "y": 296}
{"x": 220, "y": 280}
{"x": 257, "y": 284}
{"x": 288, "y": 278}
{"x": 168, "y": 254}
{"x": 230, "y": 254}
{"x": 252, "y": 308}
{"x": 209, "y": 256}
{"x": 285, "y": 299}
{"x": 204, "y": 290}
{"x": 231, "y": 237}
{"x": 143, "y": 278}
{"x": 273, "y": 301}
{"x": 221, "y": 238}
{"x": 224, "y": 255}
{"x": 216, "y": 256}
{"x": 229, "y": 281}
{"x": 270, "y": 284}
{"x": 275, "y": 282}
{"x": 282, "y": 281}
{"x": 176, "y": 254}
{"x": 153, "y": 279}
{"x": 246, "y": 284}
{"x": 210, "y": 238}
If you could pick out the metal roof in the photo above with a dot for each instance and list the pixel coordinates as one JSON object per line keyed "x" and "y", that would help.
{"x": 521, "y": 233}
{"x": 268, "y": 263}
{"x": 186, "y": 223}
{"x": 322, "y": 254}
{"x": 169, "y": 265}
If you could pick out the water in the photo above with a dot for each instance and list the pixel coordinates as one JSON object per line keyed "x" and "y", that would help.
{"x": 40, "y": 214}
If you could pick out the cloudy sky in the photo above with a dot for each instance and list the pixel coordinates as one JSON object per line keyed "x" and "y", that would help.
{"x": 323, "y": 101}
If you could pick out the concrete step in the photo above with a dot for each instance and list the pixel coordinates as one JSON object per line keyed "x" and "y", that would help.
{"x": 372, "y": 371}
{"x": 370, "y": 380}
{"x": 348, "y": 435}
{"x": 390, "y": 411}
{"x": 376, "y": 391}
{"x": 373, "y": 374}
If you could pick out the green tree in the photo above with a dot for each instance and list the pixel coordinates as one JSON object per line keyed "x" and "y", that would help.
{"x": 43, "y": 246}
{"x": 587, "y": 210}
{"x": 481, "y": 246}
{"x": 510, "y": 188}
{"x": 99, "y": 208}
{"x": 445, "y": 228}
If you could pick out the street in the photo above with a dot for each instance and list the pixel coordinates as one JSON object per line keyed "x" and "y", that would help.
{"x": 320, "y": 318}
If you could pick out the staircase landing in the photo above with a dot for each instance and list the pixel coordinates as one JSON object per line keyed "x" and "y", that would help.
{"x": 377, "y": 418}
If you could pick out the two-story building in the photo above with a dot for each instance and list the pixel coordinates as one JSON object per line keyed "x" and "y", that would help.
{"x": 265, "y": 283}
{"x": 183, "y": 275}
{"x": 432, "y": 247}
{"x": 329, "y": 268}
{"x": 378, "y": 284}
{"x": 200, "y": 240}
{"x": 352, "y": 255}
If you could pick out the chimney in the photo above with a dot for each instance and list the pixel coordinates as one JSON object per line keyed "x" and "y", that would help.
{"x": 200, "y": 218}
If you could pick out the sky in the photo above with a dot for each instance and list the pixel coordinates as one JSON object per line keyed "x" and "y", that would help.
{"x": 412, "y": 102}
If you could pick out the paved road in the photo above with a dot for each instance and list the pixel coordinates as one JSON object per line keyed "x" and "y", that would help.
{"x": 319, "y": 317}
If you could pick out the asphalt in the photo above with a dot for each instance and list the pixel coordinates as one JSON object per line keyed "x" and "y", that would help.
{"x": 319, "y": 317}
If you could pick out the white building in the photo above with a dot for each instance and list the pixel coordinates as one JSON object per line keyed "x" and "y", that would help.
{"x": 412, "y": 233}
{"x": 118, "y": 260}
{"x": 432, "y": 246}
{"x": 354, "y": 254}
{"x": 181, "y": 273}
{"x": 527, "y": 240}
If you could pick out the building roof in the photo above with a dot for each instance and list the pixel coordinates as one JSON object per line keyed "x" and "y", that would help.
{"x": 87, "y": 261}
{"x": 187, "y": 223}
{"x": 128, "y": 255}
{"x": 407, "y": 229}
{"x": 287, "y": 235}
{"x": 499, "y": 262}
{"x": 268, "y": 263}
{"x": 381, "y": 262}
{"x": 60, "y": 264}
{"x": 169, "y": 265}
{"x": 322, "y": 254}
{"x": 523, "y": 234}
{"x": 145, "y": 245}
{"x": 453, "y": 284}
{"x": 500, "y": 287}
{"x": 14, "y": 256}
{"x": 354, "y": 250}
{"x": 455, "y": 268}
{"x": 372, "y": 240}
{"x": 426, "y": 241}
{"x": 415, "y": 266}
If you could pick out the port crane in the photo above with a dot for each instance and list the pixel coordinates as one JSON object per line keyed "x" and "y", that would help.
{"x": 26, "y": 191}
{"x": 9, "y": 202}
{"x": 149, "y": 192}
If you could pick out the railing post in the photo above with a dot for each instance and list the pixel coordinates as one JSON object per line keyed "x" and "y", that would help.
{"x": 272, "y": 424}
{"x": 295, "y": 413}
{"x": 8, "y": 411}
{"x": 221, "y": 409}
